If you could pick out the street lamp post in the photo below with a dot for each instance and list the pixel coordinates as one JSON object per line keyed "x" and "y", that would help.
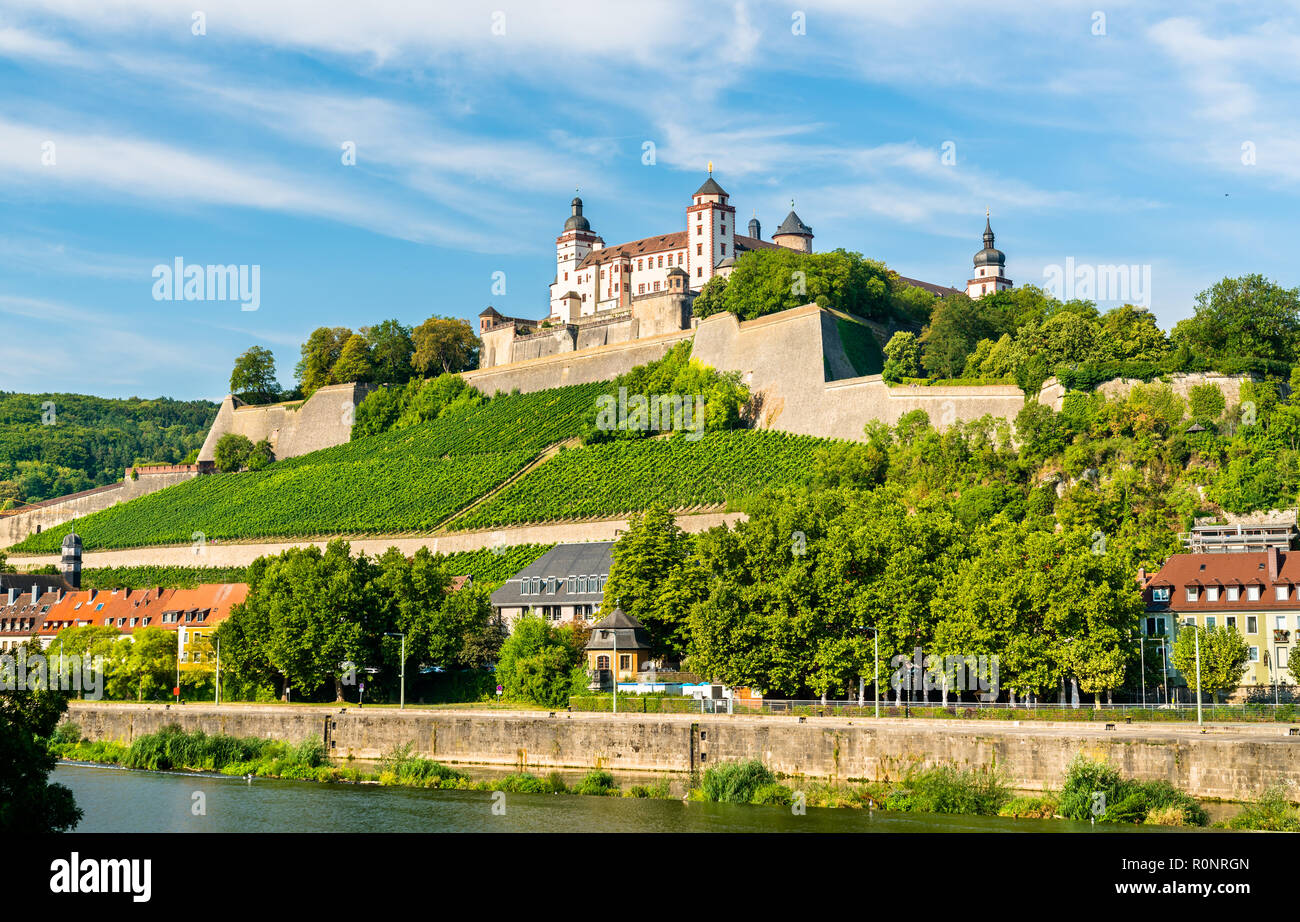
{"x": 402, "y": 699}
{"x": 1197, "y": 635}
{"x": 613, "y": 634}
{"x": 1142, "y": 656}
{"x": 875, "y": 678}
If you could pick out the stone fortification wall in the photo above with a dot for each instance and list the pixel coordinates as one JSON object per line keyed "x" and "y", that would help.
{"x": 786, "y": 359}
{"x": 1053, "y": 393}
{"x": 53, "y": 512}
{"x": 323, "y": 421}
{"x": 600, "y": 363}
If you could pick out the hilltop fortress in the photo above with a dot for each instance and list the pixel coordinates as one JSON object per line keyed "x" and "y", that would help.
{"x": 615, "y": 307}
{"x": 612, "y": 295}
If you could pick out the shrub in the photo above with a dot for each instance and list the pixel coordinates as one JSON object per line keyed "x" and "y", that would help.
{"x": 1124, "y": 800}
{"x": 521, "y": 783}
{"x": 597, "y": 784}
{"x": 660, "y": 790}
{"x": 231, "y": 452}
{"x": 735, "y": 782}
{"x": 950, "y": 790}
{"x": 772, "y": 795}
{"x": 66, "y": 733}
{"x": 1273, "y": 812}
{"x": 1042, "y": 806}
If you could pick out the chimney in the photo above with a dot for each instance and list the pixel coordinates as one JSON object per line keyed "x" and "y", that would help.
{"x": 36, "y": 593}
{"x": 13, "y": 595}
{"x": 1272, "y": 564}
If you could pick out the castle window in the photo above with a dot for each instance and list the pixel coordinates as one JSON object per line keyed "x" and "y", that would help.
{"x": 699, "y": 229}
{"x": 640, "y": 289}
{"x": 699, "y": 249}
{"x": 699, "y": 271}
{"x": 639, "y": 264}
{"x": 724, "y": 249}
{"x": 661, "y": 262}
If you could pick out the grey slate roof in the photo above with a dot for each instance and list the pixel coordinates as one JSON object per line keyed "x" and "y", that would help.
{"x": 710, "y": 187}
{"x": 24, "y": 582}
{"x": 559, "y": 563}
{"x": 793, "y": 225}
{"x": 628, "y": 631}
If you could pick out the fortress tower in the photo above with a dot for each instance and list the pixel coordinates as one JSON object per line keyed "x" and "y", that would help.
{"x": 793, "y": 233}
{"x": 990, "y": 267}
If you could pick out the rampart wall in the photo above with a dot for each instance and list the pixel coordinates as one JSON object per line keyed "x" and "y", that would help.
{"x": 16, "y": 526}
{"x": 322, "y": 421}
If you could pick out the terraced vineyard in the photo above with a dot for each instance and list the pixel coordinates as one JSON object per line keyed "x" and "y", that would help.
{"x": 414, "y": 479}
{"x": 378, "y": 491}
{"x": 405, "y": 480}
{"x": 493, "y": 566}
{"x": 510, "y": 422}
{"x": 619, "y": 477}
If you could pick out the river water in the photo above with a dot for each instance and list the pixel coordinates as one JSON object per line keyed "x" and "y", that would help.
{"x": 120, "y": 800}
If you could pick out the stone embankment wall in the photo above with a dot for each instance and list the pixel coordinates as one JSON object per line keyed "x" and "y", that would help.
{"x": 323, "y": 421}
{"x": 41, "y": 516}
{"x": 214, "y": 554}
{"x": 1233, "y": 763}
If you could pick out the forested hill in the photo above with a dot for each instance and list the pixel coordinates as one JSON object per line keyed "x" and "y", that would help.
{"x": 53, "y": 444}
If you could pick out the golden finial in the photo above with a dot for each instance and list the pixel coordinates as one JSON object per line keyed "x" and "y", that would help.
{"x": 986, "y": 211}
{"x": 710, "y": 167}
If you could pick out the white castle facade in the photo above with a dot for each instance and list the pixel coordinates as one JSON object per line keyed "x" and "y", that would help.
{"x": 605, "y": 295}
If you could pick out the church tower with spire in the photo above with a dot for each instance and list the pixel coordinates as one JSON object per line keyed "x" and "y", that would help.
{"x": 990, "y": 267}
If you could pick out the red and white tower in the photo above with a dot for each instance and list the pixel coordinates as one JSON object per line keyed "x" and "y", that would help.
{"x": 710, "y": 231}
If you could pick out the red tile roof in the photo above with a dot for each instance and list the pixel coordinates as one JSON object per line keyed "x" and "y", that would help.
{"x": 636, "y": 248}
{"x": 1224, "y": 570}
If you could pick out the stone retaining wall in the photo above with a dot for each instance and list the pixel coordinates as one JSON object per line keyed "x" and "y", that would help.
{"x": 1230, "y": 763}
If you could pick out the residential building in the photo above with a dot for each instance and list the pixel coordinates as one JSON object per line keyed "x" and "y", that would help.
{"x": 618, "y": 643}
{"x": 567, "y": 583}
{"x": 193, "y": 613}
{"x": 1256, "y": 593}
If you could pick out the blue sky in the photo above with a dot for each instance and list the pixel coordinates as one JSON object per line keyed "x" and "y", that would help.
{"x": 1107, "y": 141}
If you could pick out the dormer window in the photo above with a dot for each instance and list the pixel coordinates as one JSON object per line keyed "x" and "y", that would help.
{"x": 1160, "y": 594}
{"x": 1234, "y": 593}
{"x": 1193, "y": 593}
{"x": 1252, "y": 593}
{"x": 1283, "y": 592}
{"x": 1212, "y": 593}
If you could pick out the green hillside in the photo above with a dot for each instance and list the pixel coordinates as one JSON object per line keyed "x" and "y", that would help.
{"x": 54, "y": 444}
{"x": 413, "y": 479}
{"x": 618, "y": 477}
{"x": 408, "y": 479}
